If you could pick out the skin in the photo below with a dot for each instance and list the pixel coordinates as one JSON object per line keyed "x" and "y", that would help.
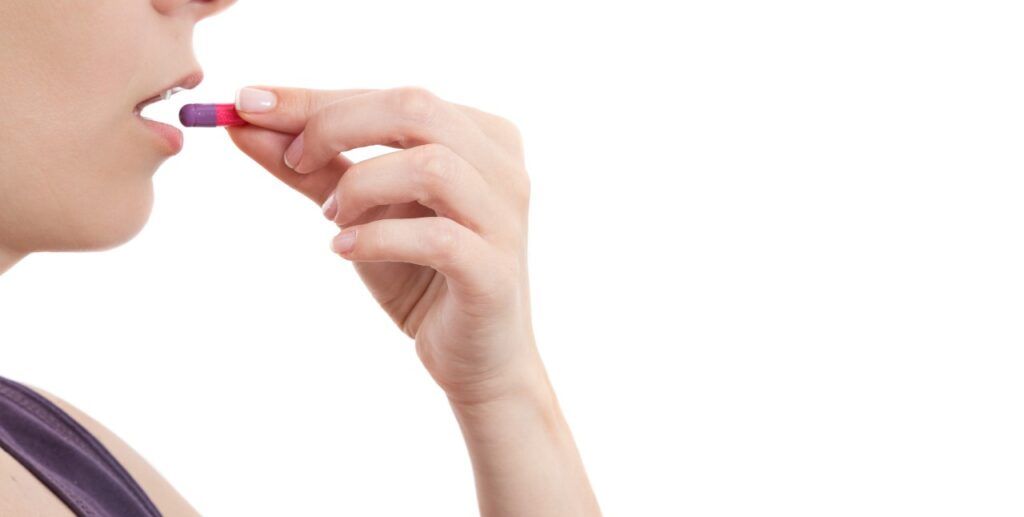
{"x": 92, "y": 190}
{"x": 22, "y": 494}
{"x": 437, "y": 229}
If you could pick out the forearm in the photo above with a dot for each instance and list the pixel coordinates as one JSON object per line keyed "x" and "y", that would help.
{"x": 524, "y": 458}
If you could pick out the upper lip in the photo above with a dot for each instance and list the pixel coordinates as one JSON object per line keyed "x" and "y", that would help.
{"x": 185, "y": 83}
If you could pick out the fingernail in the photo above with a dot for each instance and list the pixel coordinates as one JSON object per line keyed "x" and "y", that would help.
{"x": 330, "y": 207}
{"x": 253, "y": 100}
{"x": 344, "y": 242}
{"x": 293, "y": 155}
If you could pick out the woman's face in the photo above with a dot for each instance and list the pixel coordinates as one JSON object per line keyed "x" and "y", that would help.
{"x": 76, "y": 160}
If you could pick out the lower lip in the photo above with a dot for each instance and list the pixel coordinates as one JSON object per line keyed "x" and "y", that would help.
{"x": 171, "y": 137}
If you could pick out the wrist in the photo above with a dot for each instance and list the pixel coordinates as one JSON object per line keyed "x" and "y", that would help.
{"x": 524, "y": 458}
{"x": 525, "y": 404}
{"x": 520, "y": 379}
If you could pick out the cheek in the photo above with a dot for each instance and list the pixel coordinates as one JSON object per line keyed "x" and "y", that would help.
{"x": 75, "y": 164}
{"x": 63, "y": 203}
{"x": 108, "y": 201}
{"x": 78, "y": 55}
{"x": 75, "y": 180}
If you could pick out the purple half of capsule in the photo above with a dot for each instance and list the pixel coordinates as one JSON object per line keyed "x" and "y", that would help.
{"x": 210, "y": 115}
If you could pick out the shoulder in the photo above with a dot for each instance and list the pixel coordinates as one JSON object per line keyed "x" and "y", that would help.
{"x": 22, "y": 494}
{"x": 164, "y": 496}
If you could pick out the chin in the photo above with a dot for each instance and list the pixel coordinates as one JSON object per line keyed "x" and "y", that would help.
{"x": 111, "y": 225}
{"x": 112, "y": 200}
{"x": 124, "y": 224}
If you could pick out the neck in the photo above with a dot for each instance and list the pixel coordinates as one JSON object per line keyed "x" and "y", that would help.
{"x": 8, "y": 258}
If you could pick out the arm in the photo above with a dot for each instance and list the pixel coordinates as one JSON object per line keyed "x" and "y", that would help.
{"x": 437, "y": 230}
{"x": 524, "y": 459}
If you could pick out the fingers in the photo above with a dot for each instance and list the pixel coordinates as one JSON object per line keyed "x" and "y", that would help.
{"x": 267, "y": 147}
{"x": 404, "y": 117}
{"x": 285, "y": 110}
{"x": 499, "y": 129}
{"x": 435, "y": 242}
{"x": 432, "y": 175}
{"x": 288, "y": 109}
{"x": 457, "y": 162}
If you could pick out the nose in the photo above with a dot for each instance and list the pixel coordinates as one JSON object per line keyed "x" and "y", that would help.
{"x": 197, "y": 9}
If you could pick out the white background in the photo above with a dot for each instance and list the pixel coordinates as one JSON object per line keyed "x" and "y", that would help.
{"x": 776, "y": 251}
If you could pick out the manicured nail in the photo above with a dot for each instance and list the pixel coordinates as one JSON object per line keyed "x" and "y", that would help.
{"x": 252, "y": 100}
{"x": 330, "y": 207}
{"x": 293, "y": 155}
{"x": 344, "y": 242}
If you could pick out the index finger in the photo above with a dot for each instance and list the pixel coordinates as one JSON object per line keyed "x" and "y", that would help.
{"x": 285, "y": 110}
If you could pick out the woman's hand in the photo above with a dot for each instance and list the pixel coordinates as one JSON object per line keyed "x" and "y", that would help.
{"x": 437, "y": 229}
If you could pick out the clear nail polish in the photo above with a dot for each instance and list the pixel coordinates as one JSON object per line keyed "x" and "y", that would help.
{"x": 254, "y": 100}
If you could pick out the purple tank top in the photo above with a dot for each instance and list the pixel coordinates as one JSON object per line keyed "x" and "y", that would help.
{"x": 66, "y": 458}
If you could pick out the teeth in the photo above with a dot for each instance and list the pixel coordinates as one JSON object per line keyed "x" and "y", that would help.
{"x": 162, "y": 97}
{"x": 172, "y": 91}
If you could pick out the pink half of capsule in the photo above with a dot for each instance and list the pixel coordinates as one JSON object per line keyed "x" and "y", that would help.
{"x": 210, "y": 115}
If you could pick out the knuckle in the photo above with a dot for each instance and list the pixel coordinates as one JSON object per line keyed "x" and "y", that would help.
{"x": 416, "y": 104}
{"x": 319, "y": 132}
{"x": 347, "y": 186}
{"x": 309, "y": 103}
{"x": 507, "y": 134}
{"x": 374, "y": 241}
{"x": 292, "y": 100}
{"x": 511, "y": 132}
{"x": 354, "y": 173}
{"x": 522, "y": 187}
{"x": 445, "y": 241}
{"x": 316, "y": 127}
{"x": 434, "y": 166}
{"x": 517, "y": 188}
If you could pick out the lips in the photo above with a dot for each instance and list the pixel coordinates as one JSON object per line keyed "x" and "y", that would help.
{"x": 153, "y": 100}
{"x": 170, "y": 137}
{"x": 186, "y": 83}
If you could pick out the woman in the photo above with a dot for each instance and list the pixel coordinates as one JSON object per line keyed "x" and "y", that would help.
{"x": 436, "y": 229}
